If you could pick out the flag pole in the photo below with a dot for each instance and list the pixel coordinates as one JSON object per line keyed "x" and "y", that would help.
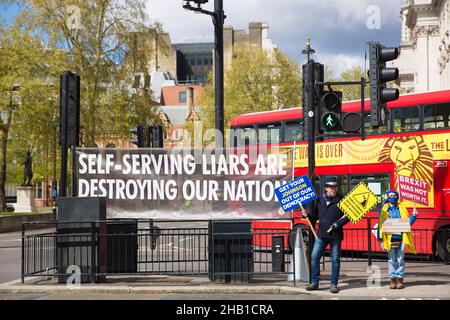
{"x": 309, "y": 223}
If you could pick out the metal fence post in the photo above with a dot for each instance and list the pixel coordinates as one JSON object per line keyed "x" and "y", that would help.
{"x": 93, "y": 252}
{"x": 212, "y": 251}
{"x": 369, "y": 241}
{"x": 22, "y": 277}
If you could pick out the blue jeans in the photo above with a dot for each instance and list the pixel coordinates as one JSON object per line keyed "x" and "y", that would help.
{"x": 317, "y": 252}
{"x": 396, "y": 262}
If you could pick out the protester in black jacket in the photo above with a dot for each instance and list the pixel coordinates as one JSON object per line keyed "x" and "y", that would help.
{"x": 331, "y": 220}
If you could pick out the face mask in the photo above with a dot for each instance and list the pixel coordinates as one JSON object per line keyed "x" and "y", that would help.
{"x": 393, "y": 200}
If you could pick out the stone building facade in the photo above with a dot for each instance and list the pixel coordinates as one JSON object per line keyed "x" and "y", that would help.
{"x": 425, "y": 46}
{"x": 256, "y": 38}
{"x": 165, "y": 56}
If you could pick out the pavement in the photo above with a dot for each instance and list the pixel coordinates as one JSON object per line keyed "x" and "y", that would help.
{"x": 423, "y": 281}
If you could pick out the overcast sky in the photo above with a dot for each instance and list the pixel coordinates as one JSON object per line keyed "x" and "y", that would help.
{"x": 338, "y": 28}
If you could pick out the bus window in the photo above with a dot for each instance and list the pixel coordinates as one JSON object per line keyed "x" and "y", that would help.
{"x": 369, "y": 130}
{"x": 368, "y": 125}
{"x": 233, "y": 137}
{"x": 436, "y": 116}
{"x": 269, "y": 133}
{"x": 342, "y": 184}
{"x": 406, "y": 119}
{"x": 245, "y": 136}
{"x": 292, "y": 131}
{"x": 379, "y": 184}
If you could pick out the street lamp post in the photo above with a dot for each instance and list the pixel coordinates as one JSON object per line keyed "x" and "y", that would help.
{"x": 309, "y": 109}
{"x": 218, "y": 17}
{"x": 308, "y": 50}
{"x": 309, "y": 115}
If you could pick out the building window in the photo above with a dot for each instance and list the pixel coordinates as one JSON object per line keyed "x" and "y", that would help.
{"x": 182, "y": 97}
{"x": 176, "y": 135}
{"x": 436, "y": 116}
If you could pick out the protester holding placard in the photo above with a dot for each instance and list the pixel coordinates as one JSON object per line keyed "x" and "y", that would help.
{"x": 330, "y": 232}
{"x": 395, "y": 243}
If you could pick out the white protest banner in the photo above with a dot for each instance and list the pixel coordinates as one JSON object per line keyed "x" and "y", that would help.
{"x": 182, "y": 183}
{"x": 395, "y": 226}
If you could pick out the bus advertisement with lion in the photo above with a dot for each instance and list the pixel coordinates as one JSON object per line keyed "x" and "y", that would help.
{"x": 413, "y": 146}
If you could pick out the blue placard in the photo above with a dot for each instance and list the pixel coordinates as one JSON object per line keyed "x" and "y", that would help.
{"x": 295, "y": 193}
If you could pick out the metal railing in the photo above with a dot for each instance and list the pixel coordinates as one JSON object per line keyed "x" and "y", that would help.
{"x": 149, "y": 247}
{"x": 431, "y": 243}
{"x": 152, "y": 247}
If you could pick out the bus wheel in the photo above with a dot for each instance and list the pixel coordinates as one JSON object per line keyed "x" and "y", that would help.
{"x": 443, "y": 245}
{"x": 292, "y": 235}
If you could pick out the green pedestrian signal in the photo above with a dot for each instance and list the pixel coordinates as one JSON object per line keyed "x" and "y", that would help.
{"x": 330, "y": 111}
{"x": 330, "y": 121}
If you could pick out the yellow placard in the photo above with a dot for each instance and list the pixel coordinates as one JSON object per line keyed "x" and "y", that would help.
{"x": 358, "y": 202}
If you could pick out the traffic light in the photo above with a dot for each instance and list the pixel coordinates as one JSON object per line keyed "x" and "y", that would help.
{"x": 330, "y": 110}
{"x": 69, "y": 112}
{"x": 157, "y": 136}
{"x": 350, "y": 122}
{"x": 379, "y": 75}
{"x": 318, "y": 77}
{"x": 148, "y": 136}
{"x": 139, "y": 141}
{"x": 154, "y": 136}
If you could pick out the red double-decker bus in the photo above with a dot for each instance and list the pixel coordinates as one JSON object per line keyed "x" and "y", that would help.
{"x": 414, "y": 143}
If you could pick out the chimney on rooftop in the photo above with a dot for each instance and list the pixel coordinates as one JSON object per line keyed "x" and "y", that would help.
{"x": 190, "y": 98}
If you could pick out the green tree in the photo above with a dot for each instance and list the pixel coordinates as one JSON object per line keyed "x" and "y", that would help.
{"x": 105, "y": 42}
{"x": 254, "y": 82}
{"x": 109, "y": 42}
{"x": 28, "y": 71}
{"x": 287, "y": 81}
{"x": 351, "y": 92}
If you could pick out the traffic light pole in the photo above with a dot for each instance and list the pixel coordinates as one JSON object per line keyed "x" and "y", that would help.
{"x": 63, "y": 177}
{"x": 310, "y": 120}
{"x": 74, "y": 188}
{"x": 218, "y": 19}
{"x": 363, "y": 87}
{"x": 309, "y": 114}
{"x": 64, "y": 87}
